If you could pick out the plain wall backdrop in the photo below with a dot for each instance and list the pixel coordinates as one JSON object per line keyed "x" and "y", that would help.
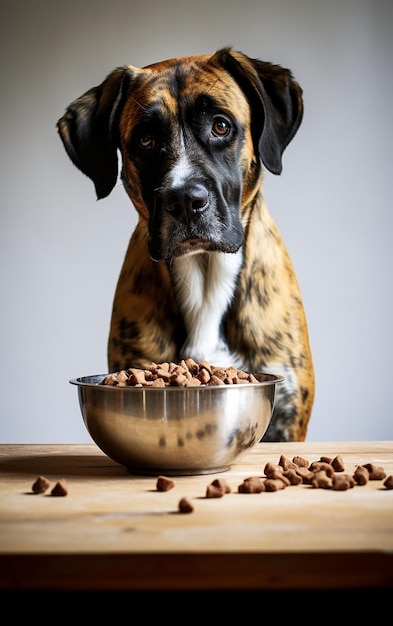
{"x": 61, "y": 250}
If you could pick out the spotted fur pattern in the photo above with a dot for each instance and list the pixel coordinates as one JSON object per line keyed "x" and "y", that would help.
{"x": 206, "y": 273}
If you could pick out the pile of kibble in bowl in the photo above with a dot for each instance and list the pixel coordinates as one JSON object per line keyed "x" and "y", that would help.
{"x": 187, "y": 373}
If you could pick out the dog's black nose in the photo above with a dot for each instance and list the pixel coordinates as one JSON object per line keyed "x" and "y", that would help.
{"x": 187, "y": 202}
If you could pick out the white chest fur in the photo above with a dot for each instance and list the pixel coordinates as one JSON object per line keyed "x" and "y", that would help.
{"x": 204, "y": 284}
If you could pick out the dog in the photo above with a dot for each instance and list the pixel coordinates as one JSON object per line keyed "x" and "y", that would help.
{"x": 206, "y": 274}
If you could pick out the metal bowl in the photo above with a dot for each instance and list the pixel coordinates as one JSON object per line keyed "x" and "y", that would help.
{"x": 176, "y": 430}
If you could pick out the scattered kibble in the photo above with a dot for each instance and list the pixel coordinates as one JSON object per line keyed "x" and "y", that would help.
{"x": 376, "y": 473}
{"x": 293, "y": 477}
{"x": 327, "y": 473}
{"x": 40, "y": 485}
{"x": 361, "y": 475}
{"x": 223, "y": 484}
{"x": 388, "y": 482}
{"x": 60, "y": 488}
{"x": 274, "y": 484}
{"x": 185, "y": 505}
{"x": 320, "y": 466}
{"x": 271, "y": 468}
{"x": 213, "y": 491}
{"x": 305, "y": 474}
{"x": 300, "y": 462}
{"x": 164, "y": 483}
{"x": 321, "y": 480}
{"x": 341, "y": 482}
{"x": 218, "y": 488}
{"x": 252, "y": 484}
{"x": 338, "y": 464}
{"x": 286, "y": 463}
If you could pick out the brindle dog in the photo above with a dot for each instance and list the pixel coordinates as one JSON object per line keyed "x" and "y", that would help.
{"x": 206, "y": 274}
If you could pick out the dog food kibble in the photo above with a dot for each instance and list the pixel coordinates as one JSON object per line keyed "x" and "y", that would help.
{"x": 214, "y": 491}
{"x": 321, "y": 480}
{"x": 187, "y": 373}
{"x": 271, "y": 468}
{"x": 327, "y": 473}
{"x": 318, "y": 466}
{"x": 300, "y": 462}
{"x": 185, "y": 506}
{"x": 40, "y": 485}
{"x": 222, "y": 484}
{"x": 164, "y": 483}
{"x": 342, "y": 482}
{"x": 388, "y": 482}
{"x": 60, "y": 488}
{"x": 286, "y": 463}
{"x": 274, "y": 484}
{"x": 305, "y": 474}
{"x": 252, "y": 484}
{"x": 338, "y": 464}
{"x": 293, "y": 476}
{"x": 361, "y": 475}
{"x": 376, "y": 473}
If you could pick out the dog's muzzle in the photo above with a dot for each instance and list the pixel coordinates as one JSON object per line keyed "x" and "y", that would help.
{"x": 192, "y": 218}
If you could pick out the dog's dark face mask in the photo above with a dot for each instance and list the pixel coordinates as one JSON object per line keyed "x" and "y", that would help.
{"x": 184, "y": 155}
{"x": 192, "y": 133}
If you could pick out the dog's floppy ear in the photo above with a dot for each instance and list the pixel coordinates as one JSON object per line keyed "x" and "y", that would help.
{"x": 89, "y": 133}
{"x": 276, "y": 103}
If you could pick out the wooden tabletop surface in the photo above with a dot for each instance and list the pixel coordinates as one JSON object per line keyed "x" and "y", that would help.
{"x": 115, "y": 530}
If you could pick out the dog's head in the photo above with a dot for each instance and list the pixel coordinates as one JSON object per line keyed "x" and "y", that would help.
{"x": 193, "y": 133}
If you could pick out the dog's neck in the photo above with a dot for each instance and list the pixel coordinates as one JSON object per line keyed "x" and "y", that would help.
{"x": 204, "y": 284}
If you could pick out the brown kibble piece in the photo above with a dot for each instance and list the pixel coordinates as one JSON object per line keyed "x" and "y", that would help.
{"x": 274, "y": 484}
{"x": 388, "y": 482}
{"x": 319, "y": 466}
{"x": 40, "y": 485}
{"x": 185, "y": 505}
{"x": 122, "y": 378}
{"x": 326, "y": 459}
{"x": 60, "y": 488}
{"x": 361, "y": 475}
{"x": 305, "y": 474}
{"x": 270, "y": 468}
{"x": 286, "y": 463}
{"x": 338, "y": 464}
{"x": 183, "y": 374}
{"x": 203, "y": 376}
{"x": 279, "y": 475}
{"x": 376, "y": 473}
{"x": 342, "y": 482}
{"x": 159, "y": 382}
{"x": 215, "y": 380}
{"x": 293, "y": 476}
{"x": 222, "y": 484}
{"x": 321, "y": 480}
{"x": 164, "y": 483}
{"x": 253, "y": 484}
{"x": 300, "y": 462}
{"x": 214, "y": 491}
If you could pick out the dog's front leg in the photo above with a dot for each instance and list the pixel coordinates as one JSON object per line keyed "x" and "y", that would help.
{"x": 204, "y": 285}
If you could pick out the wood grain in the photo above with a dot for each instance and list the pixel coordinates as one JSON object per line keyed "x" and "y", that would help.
{"x": 114, "y": 530}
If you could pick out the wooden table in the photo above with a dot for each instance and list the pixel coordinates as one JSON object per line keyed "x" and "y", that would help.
{"x": 115, "y": 531}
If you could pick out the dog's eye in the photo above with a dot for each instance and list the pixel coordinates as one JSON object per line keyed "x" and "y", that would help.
{"x": 146, "y": 141}
{"x": 220, "y": 127}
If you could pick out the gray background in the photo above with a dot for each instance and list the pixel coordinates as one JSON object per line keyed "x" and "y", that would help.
{"x": 61, "y": 250}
